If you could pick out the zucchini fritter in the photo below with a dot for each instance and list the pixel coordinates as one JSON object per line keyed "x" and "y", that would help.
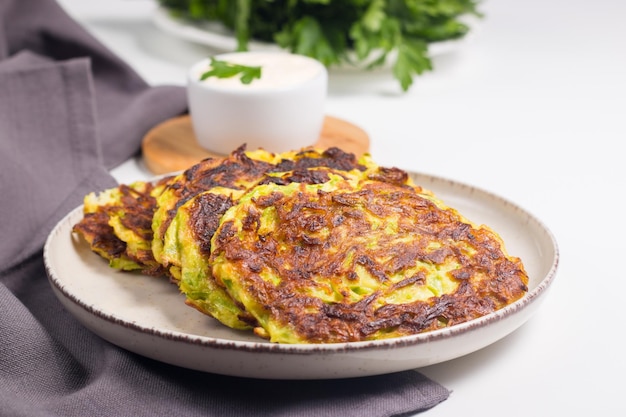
{"x": 117, "y": 225}
{"x": 186, "y": 244}
{"x": 234, "y": 174}
{"x": 306, "y": 246}
{"x": 357, "y": 259}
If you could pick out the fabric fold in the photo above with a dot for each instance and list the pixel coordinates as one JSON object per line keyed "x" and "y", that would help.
{"x": 49, "y": 153}
{"x": 121, "y": 95}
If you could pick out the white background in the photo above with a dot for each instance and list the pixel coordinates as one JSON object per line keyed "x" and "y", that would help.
{"x": 532, "y": 108}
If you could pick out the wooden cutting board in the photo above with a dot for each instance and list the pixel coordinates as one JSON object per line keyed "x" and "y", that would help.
{"x": 172, "y": 145}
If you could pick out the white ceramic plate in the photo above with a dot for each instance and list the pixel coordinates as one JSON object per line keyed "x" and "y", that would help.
{"x": 147, "y": 315}
{"x": 221, "y": 39}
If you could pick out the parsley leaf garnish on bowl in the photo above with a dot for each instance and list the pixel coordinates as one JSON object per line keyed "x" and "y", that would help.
{"x": 223, "y": 69}
{"x": 367, "y": 33}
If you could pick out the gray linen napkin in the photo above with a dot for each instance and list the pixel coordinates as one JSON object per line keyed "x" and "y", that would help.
{"x": 69, "y": 111}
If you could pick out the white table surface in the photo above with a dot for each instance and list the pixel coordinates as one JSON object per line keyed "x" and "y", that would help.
{"x": 532, "y": 109}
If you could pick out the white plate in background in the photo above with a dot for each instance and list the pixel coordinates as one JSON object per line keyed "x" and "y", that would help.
{"x": 221, "y": 39}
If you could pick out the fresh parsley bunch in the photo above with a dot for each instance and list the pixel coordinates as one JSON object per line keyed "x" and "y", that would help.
{"x": 369, "y": 32}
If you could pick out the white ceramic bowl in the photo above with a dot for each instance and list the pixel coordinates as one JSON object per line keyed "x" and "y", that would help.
{"x": 281, "y": 111}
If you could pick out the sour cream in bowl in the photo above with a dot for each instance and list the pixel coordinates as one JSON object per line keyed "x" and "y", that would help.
{"x": 281, "y": 110}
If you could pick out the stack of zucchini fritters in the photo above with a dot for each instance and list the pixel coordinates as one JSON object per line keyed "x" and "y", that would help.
{"x": 306, "y": 246}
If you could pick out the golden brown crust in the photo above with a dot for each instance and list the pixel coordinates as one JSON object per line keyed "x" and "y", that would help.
{"x": 205, "y": 215}
{"x": 95, "y": 229}
{"x": 355, "y": 253}
{"x": 134, "y": 209}
{"x": 230, "y": 172}
{"x": 237, "y": 172}
{"x": 320, "y": 241}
